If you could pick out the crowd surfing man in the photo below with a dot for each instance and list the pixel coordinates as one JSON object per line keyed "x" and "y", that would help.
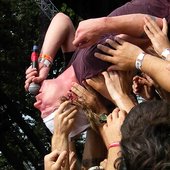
{"x": 83, "y": 61}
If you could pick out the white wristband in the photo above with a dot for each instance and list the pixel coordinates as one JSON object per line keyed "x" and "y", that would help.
{"x": 165, "y": 53}
{"x": 139, "y": 60}
{"x": 46, "y": 62}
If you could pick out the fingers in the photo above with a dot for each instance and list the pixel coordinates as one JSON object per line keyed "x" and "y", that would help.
{"x": 165, "y": 26}
{"x": 52, "y": 156}
{"x": 151, "y": 28}
{"x": 92, "y": 83}
{"x": 64, "y": 111}
{"x": 105, "y": 49}
{"x": 81, "y": 42}
{"x": 116, "y": 114}
{"x": 78, "y": 89}
{"x": 61, "y": 107}
{"x": 104, "y": 57}
{"x": 72, "y": 160}
{"x": 60, "y": 162}
{"x": 88, "y": 87}
{"x": 106, "y": 75}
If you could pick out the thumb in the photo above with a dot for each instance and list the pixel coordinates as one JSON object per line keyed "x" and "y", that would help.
{"x": 165, "y": 27}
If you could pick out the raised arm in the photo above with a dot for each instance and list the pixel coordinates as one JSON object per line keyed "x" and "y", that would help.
{"x": 89, "y": 31}
{"x": 123, "y": 55}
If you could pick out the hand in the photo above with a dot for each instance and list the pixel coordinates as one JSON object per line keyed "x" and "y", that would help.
{"x": 72, "y": 161}
{"x": 36, "y": 76}
{"x": 103, "y": 164}
{"x": 55, "y": 160}
{"x": 143, "y": 86}
{"x": 122, "y": 54}
{"x": 64, "y": 118}
{"x": 88, "y": 32}
{"x": 157, "y": 36}
{"x": 98, "y": 84}
{"x": 118, "y": 83}
{"x": 111, "y": 130}
{"x": 88, "y": 96}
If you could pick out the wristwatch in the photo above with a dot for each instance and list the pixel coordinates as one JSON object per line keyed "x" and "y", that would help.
{"x": 165, "y": 53}
{"x": 139, "y": 60}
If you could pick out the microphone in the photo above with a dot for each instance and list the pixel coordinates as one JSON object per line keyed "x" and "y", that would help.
{"x": 33, "y": 87}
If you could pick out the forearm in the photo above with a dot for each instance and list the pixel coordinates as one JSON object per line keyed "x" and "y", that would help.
{"x": 113, "y": 154}
{"x": 156, "y": 68}
{"x": 125, "y": 103}
{"x": 59, "y": 142}
{"x": 120, "y": 24}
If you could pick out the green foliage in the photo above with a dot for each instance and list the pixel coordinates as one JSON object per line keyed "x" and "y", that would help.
{"x": 20, "y": 29}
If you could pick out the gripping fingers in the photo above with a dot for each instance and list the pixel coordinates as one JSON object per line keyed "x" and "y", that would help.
{"x": 62, "y": 107}
{"x": 68, "y": 111}
{"x": 105, "y": 49}
{"x": 115, "y": 113}
{"x": 165, "y": 26}
{"x": 112, "y": 43}
{"x": 78, "y": 89}
{"x": 71, "y": 114}
{"x": 60, "y": 161}
{"x": 104, "y": 57}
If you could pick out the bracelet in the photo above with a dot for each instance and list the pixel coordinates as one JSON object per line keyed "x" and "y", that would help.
{"x": 114, "y": 144}
{"x": 139, "y": 60}
{"x": 165, "y": 53}
{"x": 46, "y": 60}
{"x": 45, "y": 56}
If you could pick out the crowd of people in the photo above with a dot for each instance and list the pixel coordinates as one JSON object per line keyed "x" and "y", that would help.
{"x": 115, "y": 87}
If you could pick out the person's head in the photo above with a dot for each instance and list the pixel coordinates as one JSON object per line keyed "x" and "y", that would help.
{"x": 52, "y": 90}
{"x": 145, "y": 140}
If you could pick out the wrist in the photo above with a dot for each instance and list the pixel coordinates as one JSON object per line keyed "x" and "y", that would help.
{"x": 59, "y": 141}
{"x": 61, "y": 135}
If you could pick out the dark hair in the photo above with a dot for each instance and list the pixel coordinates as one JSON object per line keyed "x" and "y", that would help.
{"x": 145, "y": 143}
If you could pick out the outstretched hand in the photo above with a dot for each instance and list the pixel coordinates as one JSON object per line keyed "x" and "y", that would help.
{"x": 64, "y": 118}
{"x": 88, "y": 32}
{"x": 89, "y": 97}
{"x": 144, "y": 86}
{"x": 157, "y": 36}
{"x": 111, "y": 130}
{"x": 121, "y": 54}
{"x": 119, "y": 86}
